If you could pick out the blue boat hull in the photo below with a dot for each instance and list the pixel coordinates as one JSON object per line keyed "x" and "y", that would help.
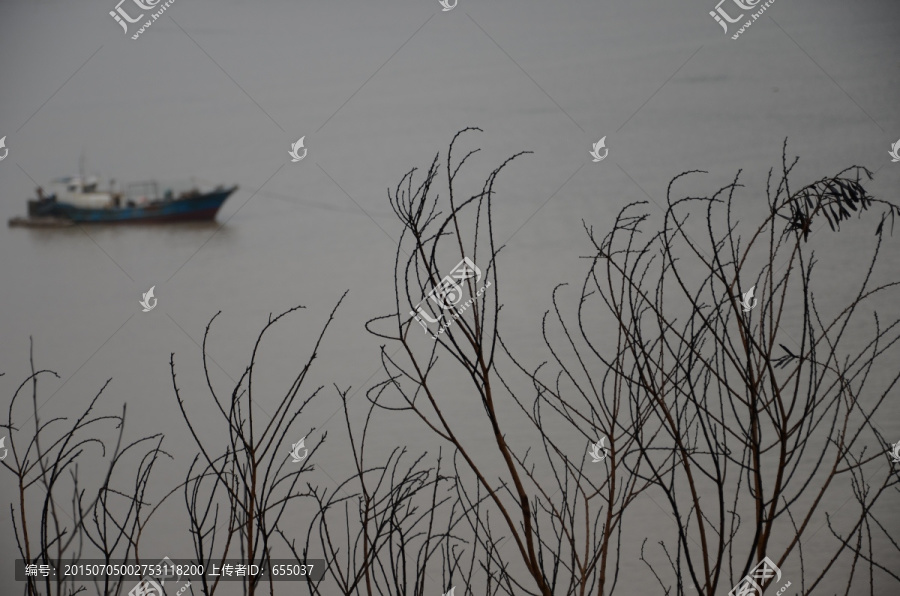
{"x": 198, "y": 208}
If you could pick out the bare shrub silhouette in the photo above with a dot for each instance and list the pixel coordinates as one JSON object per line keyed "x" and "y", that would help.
{"x": 378, "y": 530}
{"x": 239, "y": 487}
{"x": 733, "y": 409}
{"x": 106, "y": 519}
{"x": 700, "y": 399}
{"x": 394, "y": 524}
{"x": 564, "y": 531}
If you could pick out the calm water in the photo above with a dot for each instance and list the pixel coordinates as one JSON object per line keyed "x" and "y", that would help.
{"x": 223, "y": 99}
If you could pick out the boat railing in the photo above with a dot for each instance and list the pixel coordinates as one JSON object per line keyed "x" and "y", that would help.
{"x": 148, "y": 190}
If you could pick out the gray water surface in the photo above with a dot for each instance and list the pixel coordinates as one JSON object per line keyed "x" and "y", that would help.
{"x": 219, "y": 92}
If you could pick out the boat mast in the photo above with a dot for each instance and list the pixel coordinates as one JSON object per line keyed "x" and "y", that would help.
{"x": 81, "y": 169}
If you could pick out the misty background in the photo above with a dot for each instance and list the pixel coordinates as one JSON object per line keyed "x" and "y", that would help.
{"x": 218, "y": 92}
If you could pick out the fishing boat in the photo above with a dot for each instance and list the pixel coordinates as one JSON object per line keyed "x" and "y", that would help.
{"x": 77, "y": 199}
